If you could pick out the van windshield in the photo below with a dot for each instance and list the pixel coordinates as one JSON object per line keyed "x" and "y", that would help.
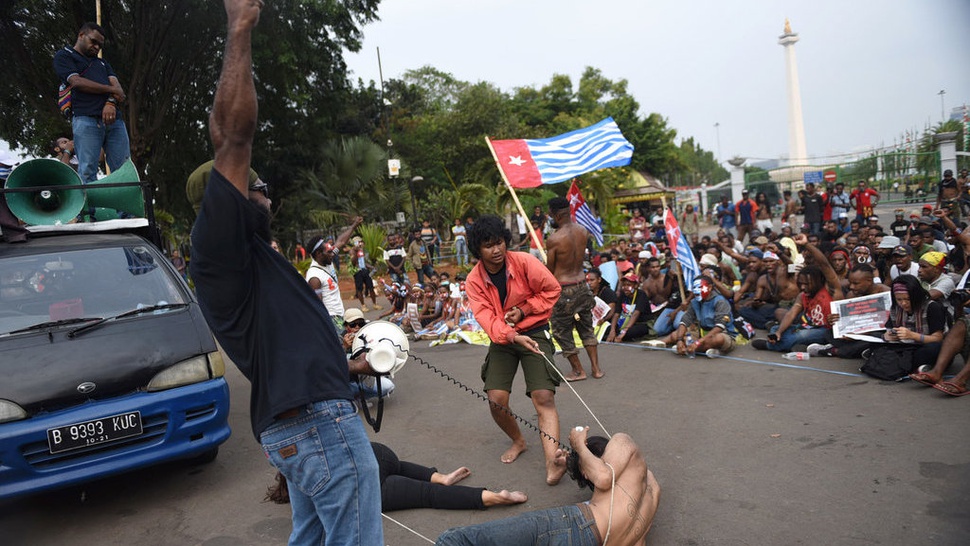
{"x": 59, "y": 286}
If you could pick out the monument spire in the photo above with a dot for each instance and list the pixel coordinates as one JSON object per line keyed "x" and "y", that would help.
{"x": 797, "y": 154}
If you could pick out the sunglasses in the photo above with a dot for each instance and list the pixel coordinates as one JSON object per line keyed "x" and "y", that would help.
{"x": 261, "y": 187}
{"x": 357, "y": 323}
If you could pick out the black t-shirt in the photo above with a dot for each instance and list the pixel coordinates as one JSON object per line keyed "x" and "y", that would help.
{"x": 638, "y": 302}
{"x": 500, "y": 281}
{"x": 68, "y": 61}
{"x": 899, "y": 228}
{"x": 606, "y": 294}
{"x": 813, "y": 208}
{"x": 265, "y": 315}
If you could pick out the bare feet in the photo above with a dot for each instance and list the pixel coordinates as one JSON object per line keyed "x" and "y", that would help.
{"x": 503, "y": 497}
{"x": 554, "y": 472}
{"x": 451, "y": 479}
{"x": 576, "y": 376}
{"x": 513, "y": 452}
{"x": 598, "y": 373}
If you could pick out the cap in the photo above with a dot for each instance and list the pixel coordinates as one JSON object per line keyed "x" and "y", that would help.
{"x": 631, "y": 277}
{"x": 902, "y": 250}
{"x": 352, "y": 314}
{"x": 197, "y": 181}
{"x": 927, "y": 207}
{"x": 936, "y": 259}
{"x": 873, "y": 217}
{"x": 843, "y": 215}
{"x": 769, "y": 255}
{"x": 643, "y": 254}
{"x": 889, "y": 241}
{"x": 786, "y": 224}
{"x": 756, "y": 252}
{"x": 899, "y": 212}
{"x": 709, "y": 259}
{"x": 761, "y": 240}
{"x": 744, "y": 191}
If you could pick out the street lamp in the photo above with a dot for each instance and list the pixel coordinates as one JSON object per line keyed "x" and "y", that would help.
{"x": 942, "y": 108}
{"x": 414, "y": 205}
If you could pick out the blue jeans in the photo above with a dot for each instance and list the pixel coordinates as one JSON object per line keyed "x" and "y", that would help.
{"x": 562, "y": 526}
{"x": 90, "y": 136}
{"x": 758, "y": 316}
{"x": 668, "y": 321}
{"x": 799, "y": 336}
{"x": 426, "y": 269}
{"x": 461, "y": 251}
{"x": 333, "y": 477}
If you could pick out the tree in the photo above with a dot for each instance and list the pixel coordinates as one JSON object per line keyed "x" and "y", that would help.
{"x": 167, "y": 55}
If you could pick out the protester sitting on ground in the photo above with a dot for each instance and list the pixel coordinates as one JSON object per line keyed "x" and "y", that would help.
{"x": 956, "y": 342}
{"x": 709, "y": 320}
{"x": 611, "y": 517}
{"x": 915, "y": 318}
{"x": 903, "y": 264}
{"x": 602, "y": 291}
{"x": 861, "y": 283}
{"x": 406, "y": 485}
{"x": 932, "y": 266}
{"x": 775, "y": 292}
{"x": 633, "y": 306}
{"x": 805, "y": 322}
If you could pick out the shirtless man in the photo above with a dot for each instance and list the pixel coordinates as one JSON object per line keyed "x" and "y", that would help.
{"x": 620, "y": 518}
{"x": 565, "y": 251}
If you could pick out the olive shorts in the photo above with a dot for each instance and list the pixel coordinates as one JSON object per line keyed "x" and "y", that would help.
{"x": 502, "y": 361}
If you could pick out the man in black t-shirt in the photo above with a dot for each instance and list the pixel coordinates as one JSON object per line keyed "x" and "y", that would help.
{"x": 96, "y": 95}
{"x": 812, "y": 206}
{"x": 275, "y": 329}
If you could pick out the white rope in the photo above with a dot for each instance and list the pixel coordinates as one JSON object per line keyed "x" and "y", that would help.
{"x": 568, "y": 384}
{"x": 422, "y": 536}
{"x": 609, "y": 524}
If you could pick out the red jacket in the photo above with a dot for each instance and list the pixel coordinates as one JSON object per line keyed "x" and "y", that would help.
{"x": 530, "y": 286}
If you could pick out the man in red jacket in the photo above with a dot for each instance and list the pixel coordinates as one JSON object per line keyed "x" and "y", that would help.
{"x": 512, "y": 295}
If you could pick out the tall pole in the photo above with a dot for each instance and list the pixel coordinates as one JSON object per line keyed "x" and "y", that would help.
{"x": 717, "y": 131}
{"x": 414, "y": 206}
{"x": 942, "y": 108}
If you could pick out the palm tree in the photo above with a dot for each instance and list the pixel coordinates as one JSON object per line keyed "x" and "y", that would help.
{"x": 349, "y": 180}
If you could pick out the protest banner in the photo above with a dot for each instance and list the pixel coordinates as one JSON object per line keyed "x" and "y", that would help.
{"x": 862, "y": 314}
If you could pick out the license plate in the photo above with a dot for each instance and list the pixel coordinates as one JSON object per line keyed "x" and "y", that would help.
{"x": 98, "y": 431}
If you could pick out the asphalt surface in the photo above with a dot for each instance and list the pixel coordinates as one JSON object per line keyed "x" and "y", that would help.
{"x": 748, "y": 449}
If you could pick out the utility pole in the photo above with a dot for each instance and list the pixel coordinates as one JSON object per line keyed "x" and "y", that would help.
{"x": 942, "y": 108}
{"x": 717, "y": 131}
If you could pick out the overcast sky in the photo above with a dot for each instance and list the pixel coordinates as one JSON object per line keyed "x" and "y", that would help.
{"x": 869, "y": 69}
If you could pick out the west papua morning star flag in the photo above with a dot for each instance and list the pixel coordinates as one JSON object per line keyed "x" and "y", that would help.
{"x": 681, "y": 249}
{"x": 582, "y": 214}
{"x": 532, "y": 162}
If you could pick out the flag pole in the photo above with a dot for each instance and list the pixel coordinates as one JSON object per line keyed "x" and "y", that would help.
{"x": 518, "y": 204}
{"x": 680, "y": 273}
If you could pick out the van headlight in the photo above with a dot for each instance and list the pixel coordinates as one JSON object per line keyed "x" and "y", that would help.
{"x": 217, "y": 366}
{"x": 193, "y": 370}
{"x": 10, "y": 411}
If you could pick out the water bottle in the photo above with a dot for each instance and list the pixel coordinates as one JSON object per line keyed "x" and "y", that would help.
{"x": 795, "y": 356}
{"x": 689, "y": 342}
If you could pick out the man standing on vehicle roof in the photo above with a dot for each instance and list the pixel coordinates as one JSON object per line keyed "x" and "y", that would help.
{"x": 276, "y": 330}
{"x": 96, "y": 95}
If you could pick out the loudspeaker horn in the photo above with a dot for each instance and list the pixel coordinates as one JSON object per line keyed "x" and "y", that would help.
{"x": 44, "y": 206}
{"x": 127, "y": 199}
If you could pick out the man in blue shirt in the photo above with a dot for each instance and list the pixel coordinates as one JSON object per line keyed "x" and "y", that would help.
{"x": 726, "y": 216}
{"x": 96, "y": 95}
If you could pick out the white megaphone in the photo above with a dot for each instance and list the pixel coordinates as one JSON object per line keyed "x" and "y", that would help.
{"x": 387, "y": 346}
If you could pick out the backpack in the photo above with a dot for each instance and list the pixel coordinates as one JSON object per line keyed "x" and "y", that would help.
{"x": 889, "y": 362}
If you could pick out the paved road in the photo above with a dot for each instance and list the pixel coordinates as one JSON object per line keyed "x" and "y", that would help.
{"x": 747, "y": 449}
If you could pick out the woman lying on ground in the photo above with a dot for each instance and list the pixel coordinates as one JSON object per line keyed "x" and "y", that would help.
{"x": 406, "y": 485}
